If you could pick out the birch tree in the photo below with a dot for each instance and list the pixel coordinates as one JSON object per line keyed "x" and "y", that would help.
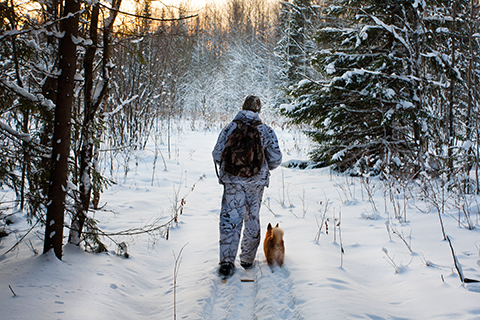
{"x": 297, "y": 23}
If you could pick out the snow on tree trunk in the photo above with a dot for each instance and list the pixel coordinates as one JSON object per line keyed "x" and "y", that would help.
{"x": 61, "y": 132}
{"x": 93, "y": 99}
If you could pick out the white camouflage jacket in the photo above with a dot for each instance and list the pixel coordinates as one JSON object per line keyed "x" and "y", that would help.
{"x": 273, "y": 155}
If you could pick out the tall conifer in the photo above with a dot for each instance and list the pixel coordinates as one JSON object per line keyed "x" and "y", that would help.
{"x": 365, "y": 112}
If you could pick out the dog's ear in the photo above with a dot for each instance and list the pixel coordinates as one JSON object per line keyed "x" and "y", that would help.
{"x": 276, "y": 226}
{"x": 269, "y": 226}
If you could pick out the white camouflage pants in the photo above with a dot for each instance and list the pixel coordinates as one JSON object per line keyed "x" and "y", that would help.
{"x": 240, "y": 206}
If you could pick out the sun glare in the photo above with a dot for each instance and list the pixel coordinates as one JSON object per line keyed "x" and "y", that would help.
{"x": 194, "y": 5}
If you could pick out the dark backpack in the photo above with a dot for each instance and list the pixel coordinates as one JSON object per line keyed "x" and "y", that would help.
{"x": 243, "y": 155}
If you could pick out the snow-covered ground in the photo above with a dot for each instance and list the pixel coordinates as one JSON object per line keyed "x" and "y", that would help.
{"x": 377, "y": 277}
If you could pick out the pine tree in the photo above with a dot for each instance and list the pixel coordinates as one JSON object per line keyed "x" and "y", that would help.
{"x": 26, "y": 110}
{"x": 366, "y": 113}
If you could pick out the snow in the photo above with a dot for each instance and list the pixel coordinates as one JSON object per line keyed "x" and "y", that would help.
{"x": 467, "y": 145}
{"x": 362, "y": 36}
{"x": 120, "y": 106}
{"x": 442, "y": 30}
{"x": 288, "y": 107}
{"x": 351, "y": 74}
{"x": 392, "y": 29}
{"x": 23, "y": 136}
{"x": 72, "y": 186}
{"x": 376, "y": 276}
{"x": 97, "y": 91}
{"x": 82, "y": 41}
{"x": 330, "y": 68}
{"x": 339, "y": 154}
{"x": 389, "y": 93}
{"x": 304, "y": 82}
{"x": 405, "y": 105}
{"x": 418, "y": 3}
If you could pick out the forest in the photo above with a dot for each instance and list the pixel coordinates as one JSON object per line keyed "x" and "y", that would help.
{"x": 92, "y": 78}
{"x": 109, "y": 111}
{"x": 382, "y": 88}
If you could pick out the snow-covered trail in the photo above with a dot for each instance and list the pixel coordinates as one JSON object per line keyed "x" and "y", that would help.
{"x": 316, "y": 279}
{"x": 269, "y": 296}
{"x": 230, "y": 300}
{"x": 200, "y": 291}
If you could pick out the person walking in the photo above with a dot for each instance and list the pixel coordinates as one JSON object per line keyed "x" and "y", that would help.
{"x": 246, "y": 151}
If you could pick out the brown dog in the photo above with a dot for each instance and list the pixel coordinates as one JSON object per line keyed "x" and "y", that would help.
{"x": 273, "y": 246}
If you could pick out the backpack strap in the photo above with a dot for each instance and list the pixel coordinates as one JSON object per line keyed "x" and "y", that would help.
{"x": 216, "y": 168}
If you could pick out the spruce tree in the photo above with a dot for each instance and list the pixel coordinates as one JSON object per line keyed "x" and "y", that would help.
{"x": 365, "y": 112}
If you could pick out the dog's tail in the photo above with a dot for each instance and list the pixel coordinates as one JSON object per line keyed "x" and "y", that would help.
{"x": 277, "y": 233}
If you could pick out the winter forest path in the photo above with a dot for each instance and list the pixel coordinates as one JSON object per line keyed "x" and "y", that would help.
{"x": 336, "y": 263}
{"x": 269, "y": 296}
{"x": 324, "y": 267}
{"x": 317, "y": 278}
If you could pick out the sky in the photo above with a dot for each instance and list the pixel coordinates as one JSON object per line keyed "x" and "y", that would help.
{"x": 196, "y": 3}
{"x": 128, "y": 5}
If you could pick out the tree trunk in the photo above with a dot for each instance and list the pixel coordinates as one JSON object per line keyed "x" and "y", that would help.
{"x": 451, "y": 103}
{"x": 92, "y": 103}
{"x": 470, "y": 72}
{"x": 86, "y": 149}
{"x": 61, "y": 131}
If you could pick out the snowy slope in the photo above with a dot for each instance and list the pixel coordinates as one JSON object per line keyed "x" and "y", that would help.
{"x": 376, "y": 278}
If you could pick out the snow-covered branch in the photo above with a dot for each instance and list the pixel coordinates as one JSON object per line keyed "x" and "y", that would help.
{"x": 20, "y": 135}
{"x": 42, "y": 28}
{"x": 120, "y": 107}
{"x": 22, "y": 92}
{"x": 392, "y": 30}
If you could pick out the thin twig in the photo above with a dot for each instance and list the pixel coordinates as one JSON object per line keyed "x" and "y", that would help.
{"x": 149, "y": 18}
{"x": 268, "y": 207}
{"x": 390, "y": 260}
{"x": 21, "y": 239}
{"x": 14, "y": 294}
{"x": 458, "y": 266}
{"x": 133, "y": 231}
{"x": 176, "y": 268}
{"x": 395, "y": 232}
{"x": 455, "y": 261}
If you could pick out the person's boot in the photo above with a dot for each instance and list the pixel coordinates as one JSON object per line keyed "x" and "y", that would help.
{"x": 246, "y": 265}
{"x": 226, "y": 269}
